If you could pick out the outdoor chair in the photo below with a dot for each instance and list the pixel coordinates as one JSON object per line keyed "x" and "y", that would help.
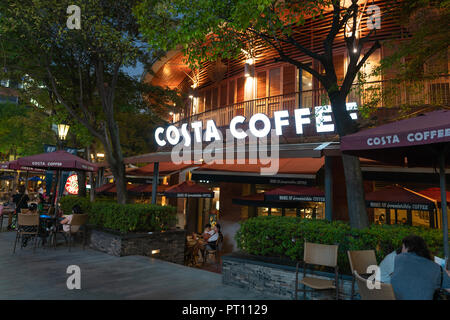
{"x": 27, "y": 220}
{"x": 215, "y": 253}
{"x": 8, "y": 214}
{"x": 386, "y": 292}
{"x": 78, "y": 220}
{"x": 360, "y": 260}
{"x": 317, "y": 255}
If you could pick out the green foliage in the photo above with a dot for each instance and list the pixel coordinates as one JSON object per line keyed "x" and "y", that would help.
{"x": 67, "y": 202}
{"x": 131, "y": 217}
{"x": 285, "y": 236}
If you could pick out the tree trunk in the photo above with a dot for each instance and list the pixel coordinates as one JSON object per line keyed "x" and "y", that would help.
{"x": 118, "y": 171}
{"x": 353, "y": 176}
{"x": 355, "y": 192}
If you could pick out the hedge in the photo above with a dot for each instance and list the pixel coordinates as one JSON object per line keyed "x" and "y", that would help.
{"x": 132, "y": 217}
{"x": 284, "y": 237}
{"x": 67, "y": 202}
{"x": 123, "y": 217}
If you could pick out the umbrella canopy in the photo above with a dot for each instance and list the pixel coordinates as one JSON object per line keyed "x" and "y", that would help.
{"x": 60, "y": 159}
{"x": 13, "y": 165}
{"x": 416, "y": 139}
{"x": 35, "y": 178}
{"x": 396, "y": 197}
{"x": 295, "y": 193}
{"x": 188, "y": 189}
{"x": 147, "y": 189}
{"x": 422, "y": 141}
{"x": 104, "y": 188}
{"x": 114, "y": 188}
{"x": 435, "y": 194}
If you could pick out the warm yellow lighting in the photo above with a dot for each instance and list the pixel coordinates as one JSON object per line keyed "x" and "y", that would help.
{"x": 100, "y": 155}
{"x": 63, "y": 129}
{"x": 171, "y": 113}
{"x": 155, "y": 251}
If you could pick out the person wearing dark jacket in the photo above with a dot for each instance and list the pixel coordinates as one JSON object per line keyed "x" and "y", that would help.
{"x": 416, "y": 276}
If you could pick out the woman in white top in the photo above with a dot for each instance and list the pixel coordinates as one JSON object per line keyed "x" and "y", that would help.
{"x": 76, "y": 209}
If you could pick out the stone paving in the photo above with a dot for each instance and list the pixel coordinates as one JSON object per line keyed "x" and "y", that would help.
{"x": 42, "y": 275}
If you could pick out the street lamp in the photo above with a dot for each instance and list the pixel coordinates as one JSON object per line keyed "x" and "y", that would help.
{"x": 63, "y": 129}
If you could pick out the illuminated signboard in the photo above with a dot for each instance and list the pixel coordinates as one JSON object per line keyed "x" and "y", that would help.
{"x": 173, "y": 135}
{"x": 72, "y": 184}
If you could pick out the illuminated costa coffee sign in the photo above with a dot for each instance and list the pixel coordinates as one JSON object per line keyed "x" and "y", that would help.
{"x": 302, "y": 116}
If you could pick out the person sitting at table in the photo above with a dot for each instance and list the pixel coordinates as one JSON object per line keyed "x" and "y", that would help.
{"x": 211, "y": 244}
{"x": 76, "y": 209}
{"x": 208, "y": 232}
{"x": 387, "y": 266}
{"x": 416, "y": 276}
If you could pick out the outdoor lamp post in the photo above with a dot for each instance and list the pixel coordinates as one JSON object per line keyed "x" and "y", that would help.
{"x": 63, "y": 129}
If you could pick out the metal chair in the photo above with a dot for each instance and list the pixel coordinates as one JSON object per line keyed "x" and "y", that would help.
{"x": 79, "y": 221}
{"x": 215, "y": 252}
{"x": 360, "y": 260}
{"x": 318, "y": 255}
{"x": 385, "y": 292}
{"x": 27, "y": 220}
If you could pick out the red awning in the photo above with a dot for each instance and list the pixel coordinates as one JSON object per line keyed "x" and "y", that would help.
{"x": 164, "y": 169}
{"x": 188, "y": 189}
{"x": 396, "y": 197}
{"x": 56, "y": 160}
{"x": 435, "y": 194}
{"x": 295, "y": 193}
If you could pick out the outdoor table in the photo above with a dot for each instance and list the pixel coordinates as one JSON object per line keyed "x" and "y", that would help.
{"x": 49, "y": 224}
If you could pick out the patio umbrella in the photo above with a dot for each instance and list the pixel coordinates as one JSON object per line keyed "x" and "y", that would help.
{"x": 295, "y": 193}
{"x": 188, "y": 189}
{"x": 419, "y": 141}
{"x": 58, "y": 160}
{"x": 435, "y": 194}
{"x": 400, "y": 198}
{"x": 35, "y": 178}
{"x": 147, "y": 189}
{"x": 104, "y": 188}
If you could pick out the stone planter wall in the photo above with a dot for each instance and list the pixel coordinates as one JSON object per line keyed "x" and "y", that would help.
{"x": 170, "y": 244}
{"x": 250, "y": 273}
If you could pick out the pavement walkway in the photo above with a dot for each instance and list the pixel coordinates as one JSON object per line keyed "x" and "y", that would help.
{"x": 42, "y": 275}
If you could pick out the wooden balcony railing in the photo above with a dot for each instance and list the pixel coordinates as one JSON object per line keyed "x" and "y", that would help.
{"x": 377, "y": 94}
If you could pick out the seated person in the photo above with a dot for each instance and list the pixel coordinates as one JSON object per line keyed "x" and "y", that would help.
{"x": 76, "y": 209}
{"x": 416, "y": 276}
{"x": 211, "y": 245}
{"x": 208, "y": 232}
{"x": 387, "y": 266}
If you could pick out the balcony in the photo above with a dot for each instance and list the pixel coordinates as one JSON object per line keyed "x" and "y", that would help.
{"x": 382, "y": 94}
